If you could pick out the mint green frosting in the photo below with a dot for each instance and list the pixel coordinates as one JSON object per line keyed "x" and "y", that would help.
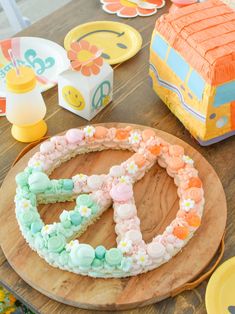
{"x": 66, "y": 224}
{"x": 63, "y": 258}
{"x": 100, "y": 252}
{"x": 38, "y": 182}
{"x": 113, "y": 257}
{"x": 64, "y": 215}
{"x": 56, "y": 243}
{"x": 108, "y": 267}
{"x": 36, "y": 226}
{"x": 28, "y": 170}
{"x": 68, "y": 184}
{"x": 24, "y": 194}
{"x": 97, "y": 263}
{"x": 22, "y": 179}
{"x": 67, "y": 232}
{"x": 75, "y": 218}
{"x": 94, "y": 208}
{"x": 126, "y": 264}
{"x": 27, "y": 217}
{"x": 83, "y": 255}
{"x": 85, "y": 200}
{"x": 39, "y": 242}
{"x": 84, "y": 268}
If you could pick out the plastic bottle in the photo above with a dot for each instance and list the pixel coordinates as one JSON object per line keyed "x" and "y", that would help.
{"x": 25, "y": 107}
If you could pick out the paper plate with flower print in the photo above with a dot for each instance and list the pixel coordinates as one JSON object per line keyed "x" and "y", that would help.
{"x": 132, "y": 8}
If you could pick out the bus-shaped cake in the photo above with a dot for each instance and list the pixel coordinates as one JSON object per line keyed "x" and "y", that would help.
{"x": 192, "y": 66}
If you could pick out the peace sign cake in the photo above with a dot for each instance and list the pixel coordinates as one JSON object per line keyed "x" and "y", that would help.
{"x": 57, "y": 243}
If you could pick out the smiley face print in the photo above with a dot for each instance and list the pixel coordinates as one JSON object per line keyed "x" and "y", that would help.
{"x": 118, "y": 41}
{"x": 73, "y": 97}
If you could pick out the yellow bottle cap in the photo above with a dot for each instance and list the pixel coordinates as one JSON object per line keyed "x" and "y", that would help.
{"x": 22, "y": 83}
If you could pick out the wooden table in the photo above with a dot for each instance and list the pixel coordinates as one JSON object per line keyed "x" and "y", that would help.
{"x": 134, "y": 102}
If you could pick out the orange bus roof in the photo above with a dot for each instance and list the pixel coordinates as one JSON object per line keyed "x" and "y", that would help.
{"x": 204, "y": 34}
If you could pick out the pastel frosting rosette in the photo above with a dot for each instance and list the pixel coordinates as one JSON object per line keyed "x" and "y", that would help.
{"x": 93, "y": 194}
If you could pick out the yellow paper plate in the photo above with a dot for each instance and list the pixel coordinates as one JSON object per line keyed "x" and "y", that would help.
{"x": 220, "y": 292}
{"x": 119, "y": 41}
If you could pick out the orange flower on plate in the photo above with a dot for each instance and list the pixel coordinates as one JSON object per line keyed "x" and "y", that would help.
{"x": 125, "y": 8}
{"x": 85, "y": 57}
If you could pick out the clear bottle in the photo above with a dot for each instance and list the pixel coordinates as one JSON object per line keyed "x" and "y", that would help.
{"x": 25, "y": 107}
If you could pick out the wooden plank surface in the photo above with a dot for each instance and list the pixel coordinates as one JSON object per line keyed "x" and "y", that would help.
{"x": 134, "y": 102}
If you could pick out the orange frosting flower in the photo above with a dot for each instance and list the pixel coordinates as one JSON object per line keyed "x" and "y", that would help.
{"x": 195, "y": 182}
{"x": 181, "y": 232}
{"x": 139, "y": 160}
{"x": 147, "y": 134}
{"x": 193, "y": 220}
{"x": 85, "y": 58}
{"x": 122, "y": 134}
{"x": 155, "y": 150}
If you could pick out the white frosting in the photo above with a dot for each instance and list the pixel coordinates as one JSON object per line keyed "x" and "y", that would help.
{"x": 126, "y": 211}
{"x": 134, "y": 235}
{"x": 117, "y": 171}
{"x": 95, "y": 182}
{"x": 156, "y": 250}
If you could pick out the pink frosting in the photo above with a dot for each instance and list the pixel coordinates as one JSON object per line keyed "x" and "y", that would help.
{"x": 141, "y": 246}
{"x": 121, "y": 192}
{"x": 60, "y": 142}
{"x": 74, "y": 136}
{"x": 38, "y": 156}
{"x": 102, "y": 198}
{"x": 187, "y": 173}
{"x": 174, "y": 163}
{"x": 122, "y": 226}
{"x": 176, "y": 150}
{"x": 184, "y": 2}
{"x": 195, "y": 194}
{"x": 47, "y": 147}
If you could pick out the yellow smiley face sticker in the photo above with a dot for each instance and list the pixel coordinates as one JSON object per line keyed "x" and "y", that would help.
{"x": 73, "y": 97}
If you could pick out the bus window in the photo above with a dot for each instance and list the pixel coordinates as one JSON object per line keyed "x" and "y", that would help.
{"x": 178, "y": 65}
{"x": 224, "y": 93}
{"x": 160, "y": 47}
{"x": 196, "y": 84}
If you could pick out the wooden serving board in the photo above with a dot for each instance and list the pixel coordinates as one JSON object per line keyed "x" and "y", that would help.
{"x": 157, "y": 204}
